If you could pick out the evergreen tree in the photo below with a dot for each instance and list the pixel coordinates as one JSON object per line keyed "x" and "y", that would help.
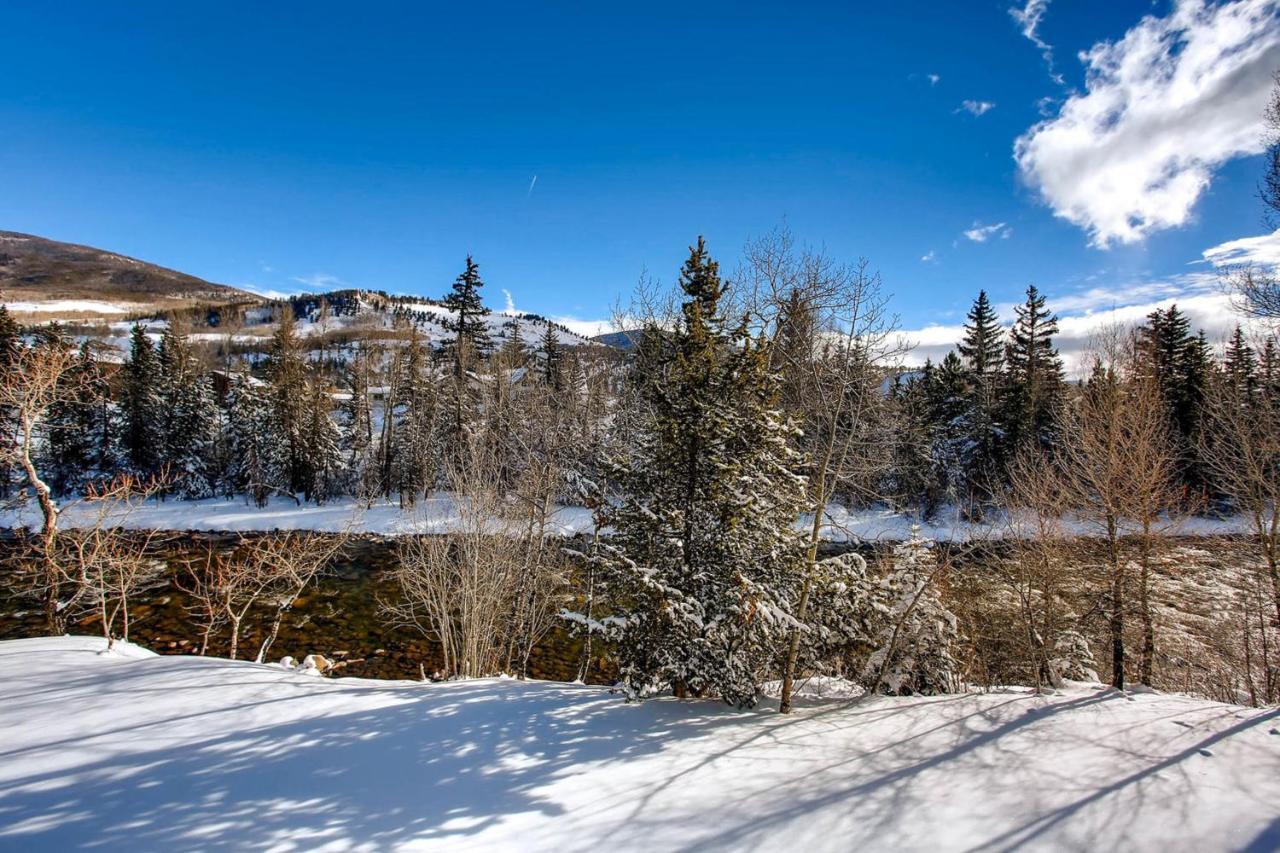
{"x": 514, "y": 351}
{"x": 323, "y": 468}
{"x": 1034, "y": 384}
{"x": 259, "y": 464}
{"x": 357, "y": 415}
{"x": 981, "y": 350}
{"x": 468, "y": 324}
{"x": 916, "y": 632}
{"x": 1240, "y": 366}
{"x": 951, "y": 438}
{"x": 470, "y": 341}
{"x": 189, "y": 418}
{"x": 141, "y": 404}
{"x": 1181, "y": 364}
{"x": 416, "y": 460}
{"x": 10, "y": 345}
{"x": 704, "y": 564}
{"x": 287, "y": 375}
{"x": 552, "y": 358}
{"x": 70, "y": 448}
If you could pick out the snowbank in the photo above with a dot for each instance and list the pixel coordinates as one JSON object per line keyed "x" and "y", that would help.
{"x": 439, "y": 514}
{"x": 166, "y": 753}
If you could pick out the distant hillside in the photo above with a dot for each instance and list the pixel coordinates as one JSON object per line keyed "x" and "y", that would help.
{"x": 38, "y": 275}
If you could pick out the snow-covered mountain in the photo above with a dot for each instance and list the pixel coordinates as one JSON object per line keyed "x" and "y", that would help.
{"x": 100, "y": 295}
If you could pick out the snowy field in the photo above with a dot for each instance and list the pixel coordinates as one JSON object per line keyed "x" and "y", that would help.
{"x": 439, "y": 514}
{"x": 129, "y": 751}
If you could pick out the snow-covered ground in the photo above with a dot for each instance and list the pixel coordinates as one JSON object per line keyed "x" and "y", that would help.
{"x": 54, "y": 306}
{"x": 128, "y": 751}
{"x": 440, "y": 514}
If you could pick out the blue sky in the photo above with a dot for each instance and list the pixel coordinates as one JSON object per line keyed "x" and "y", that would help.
{"x": 375, "y": 145}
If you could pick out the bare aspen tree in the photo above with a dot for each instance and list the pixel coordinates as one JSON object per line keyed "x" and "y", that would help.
{"x": 832, "y": 340}
{"x": 1241, "y": 448}
{"x": 541, "y": 444}
{"x": 1036, "y": 568}
{"x": 268, "y": 569}
{"x": 292, "y": 562}
{"x": 39, "y": 379}
{"x": 1119, "y": 465}
{"x": 106, "y": 564}
{"x": 457, "y": 588}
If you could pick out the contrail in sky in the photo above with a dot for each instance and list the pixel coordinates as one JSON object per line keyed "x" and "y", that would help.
{"x": 531, "y": 183}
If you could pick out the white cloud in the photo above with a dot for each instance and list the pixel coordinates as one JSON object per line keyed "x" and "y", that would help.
{"x": 1028, "y": 18}
{"x": 511, "y": 303}
{"x": 929, "y": 257}
{"x": 977, "y": 108}
{"x": 980, "y": 233}
{"x": 933, "y": 79}
{"x": 1261, "y": 251}
{"x": 1173, "y": 99}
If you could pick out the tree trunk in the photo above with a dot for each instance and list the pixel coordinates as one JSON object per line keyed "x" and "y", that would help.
{"x": 1117, "y": 607}
{"x": 1148, "y": 623}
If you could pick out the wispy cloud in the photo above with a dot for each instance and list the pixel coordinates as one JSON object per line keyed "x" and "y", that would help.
{"x": 511, "y": 303}
{"x": 1163, "y": 107}
{"x": 929, "y": 257}
{"x": 1260, "y": 251}
{"x": 976, "y": 108}
{"x": 1028, "y": 18}
{"x": 321, "y": 281}
{"x": 980, "y": 233}
{"x": 532, "y": 184}
{"x": 933, "y": 79}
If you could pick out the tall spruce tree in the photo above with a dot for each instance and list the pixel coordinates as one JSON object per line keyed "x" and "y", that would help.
{"x": 189, "y": 419}
{"x": 552, "y": 358}
{"x": 468, "y": 325}
{"x": 141, "y": 403}
{"x": 287, "y": 375}
{"x": 704, "y": 565}
{"x": 1240, "y": 366}
{"x": 258, "y": 460}
{"x": 1033, "y": 393}
{"x": 982, "y": 352}
{"x": 1181, "y": 365}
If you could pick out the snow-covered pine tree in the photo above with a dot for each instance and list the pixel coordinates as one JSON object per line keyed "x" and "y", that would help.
{"x": 10, "y": 345}
{"x": 951, "y": 440}
{"x": 287, "y": 376}
{"x": 71, "y": 433}
{"x": 415, "y": 454}
{"x": 259, "y": 464}
{"x": 189, "y": 418}
{"x": 143, "y": 438}
{"x": 357, "y": 421}
{"x": 704, "y": 567}
{"x": 323, "y": 465}
{"x": 913, "y": 630}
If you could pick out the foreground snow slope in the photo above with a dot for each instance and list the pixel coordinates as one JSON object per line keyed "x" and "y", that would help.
{"x": 131, "y": 751}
